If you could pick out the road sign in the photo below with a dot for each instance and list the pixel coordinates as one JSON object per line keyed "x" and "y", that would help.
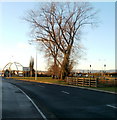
{"x": 26, "y": 69}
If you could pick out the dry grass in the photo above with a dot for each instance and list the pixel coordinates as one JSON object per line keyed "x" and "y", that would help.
{"x": 108, "y": 85}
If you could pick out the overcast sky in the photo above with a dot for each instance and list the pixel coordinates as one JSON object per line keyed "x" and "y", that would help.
{"x": 14, "y": 35}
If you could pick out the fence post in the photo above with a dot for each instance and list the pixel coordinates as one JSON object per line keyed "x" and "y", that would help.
{"x": 72, "y": 82}
{"x": 67, "y": 80}
{"x": 77, "y": 81}
{"x": 96, "y": 82}
{"x": 90, "y": 82}
{"x": 83, "y": 81}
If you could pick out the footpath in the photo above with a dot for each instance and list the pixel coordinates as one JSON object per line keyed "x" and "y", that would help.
{"x": 15, "y": 104}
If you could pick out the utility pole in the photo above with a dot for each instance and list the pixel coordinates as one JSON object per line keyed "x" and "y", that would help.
{"x": 36, "y": 66}
{"x": 90, "y": 68}
{"x": 105, "y": 68}
{"x": 35, "y": 60}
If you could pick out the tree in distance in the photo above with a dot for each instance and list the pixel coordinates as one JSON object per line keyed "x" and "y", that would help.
{"x": 57, "y": 28}
{"x": 31, "y": 66}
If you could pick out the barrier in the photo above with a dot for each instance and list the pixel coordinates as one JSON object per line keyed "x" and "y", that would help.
{"x": 89, "y": 82}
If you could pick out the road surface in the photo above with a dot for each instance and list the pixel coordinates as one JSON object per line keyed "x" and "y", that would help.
{"x": 16, "y": 104}
{"x": 60, "y": 102}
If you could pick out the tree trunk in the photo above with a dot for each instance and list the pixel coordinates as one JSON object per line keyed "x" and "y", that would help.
{"x": 31, "y": 73}
{"x": 55, "y": 68}
{"x": 65, "y": 66}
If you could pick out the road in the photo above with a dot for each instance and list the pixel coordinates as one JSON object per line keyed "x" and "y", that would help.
{"x": 61, "y": 102}
{"x": 16, "y": 104}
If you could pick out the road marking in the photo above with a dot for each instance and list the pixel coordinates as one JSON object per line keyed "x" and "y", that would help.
{"x": 112, "y": 106}
{"x": 41, "y": 86}
{"x": 65, "y": 92}
{"x": 43, "y": 116}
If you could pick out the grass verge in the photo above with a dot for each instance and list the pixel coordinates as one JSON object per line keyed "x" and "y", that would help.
{"x": 110, "y": 89}
{"x": 59, "y": 82}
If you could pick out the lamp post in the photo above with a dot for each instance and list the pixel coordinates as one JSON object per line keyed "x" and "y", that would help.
{"x": 104, "y": 70}
{"x": 104, "y": 67}
{"x": 36, "y": 67}
{"x": 90, "y": 68}
{"x": 35, "y": 62}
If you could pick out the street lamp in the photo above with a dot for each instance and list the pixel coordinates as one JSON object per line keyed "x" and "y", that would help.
{"x": 36, "y": 62}
{"x": 36, "y": 66}
{"x": 90, "y": 68}
{"x": 104, "y": 67}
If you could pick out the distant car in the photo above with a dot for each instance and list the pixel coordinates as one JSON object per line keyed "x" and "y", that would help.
{"x": 86, "y": 75}
{"x": 20, "y": 75}
{"x": 80, "y": 75}
{"x": 77, "y": 75}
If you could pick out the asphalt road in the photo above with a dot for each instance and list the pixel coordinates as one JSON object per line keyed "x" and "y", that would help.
{"x": 63, "y": 102}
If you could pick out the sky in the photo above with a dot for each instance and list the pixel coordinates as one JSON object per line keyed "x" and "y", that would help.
{"x": 99, "y": 42}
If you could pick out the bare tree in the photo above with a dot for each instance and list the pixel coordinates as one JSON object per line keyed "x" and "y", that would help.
{"x": 58, "y": 27}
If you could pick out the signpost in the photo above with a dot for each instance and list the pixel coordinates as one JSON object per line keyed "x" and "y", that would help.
{"x": 26, "y": 69}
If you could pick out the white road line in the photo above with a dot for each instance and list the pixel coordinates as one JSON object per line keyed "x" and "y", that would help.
{"x": 43, "y": 116}
{"x": 65, "y": 92}
{"x": 112, "y": 106}
{"x": 41, "y": 86}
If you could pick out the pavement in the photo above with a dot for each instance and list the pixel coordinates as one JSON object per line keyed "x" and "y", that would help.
{"x": 16, "y": 105}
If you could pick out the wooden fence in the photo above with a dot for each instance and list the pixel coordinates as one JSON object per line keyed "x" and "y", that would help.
{"x": 89, "y": 82}
{"x": 92, "y": 82}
